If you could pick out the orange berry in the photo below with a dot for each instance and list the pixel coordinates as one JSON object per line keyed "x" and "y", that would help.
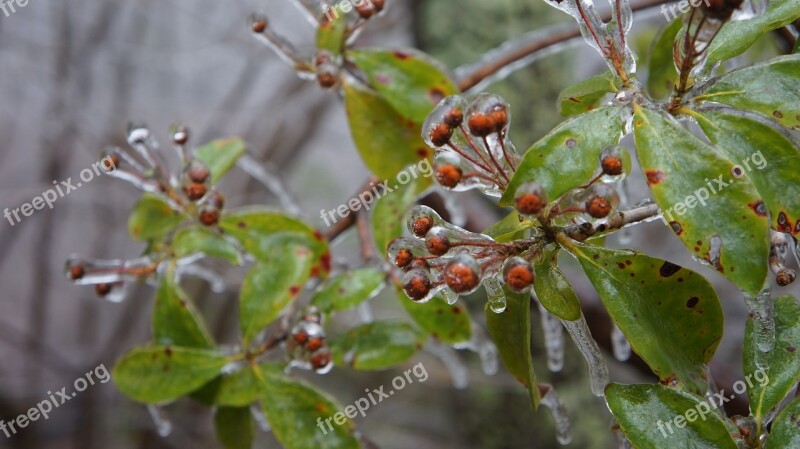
{"x": 194, "y": 191}
{"x": 519, "y": 276}
{"x": 448, "y": 175}
{"x": 453, "y": 118}
{"x": 421, "y": 226}
{"x": 102, "y": 289}
{"x": 530, "y": 204}
{"x": 460, "y": 277}
{"x": 612, "y": 165}
{"x": 481, "y": 124}
{"x": 438, "y": 245}
{"x": 441, "y": 134}
{"x": 417, "y": 285}
{"x": 403, "y": 258}
{"x": 598, "y": 207}
{"x": 76, "y": 272}
{"x": 314, "y": 343}
{"x": 209, "y": 216}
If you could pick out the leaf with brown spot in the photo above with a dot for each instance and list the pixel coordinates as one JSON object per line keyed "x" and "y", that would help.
{"x": 176, "y": 321}
{"x": 691, "y": 168}
{"x": 588, "y": 94}
{"x": 377, "y": 346}
{"x": 670, "y": 337}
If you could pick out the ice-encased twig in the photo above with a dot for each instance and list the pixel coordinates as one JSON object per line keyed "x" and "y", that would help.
{"x": 559, "y": 412}
{"x": 553, "y": 339}
{"x": 271, "y": 181}
{"x": 620, "y": 344}
{"x": 449, "y": 358}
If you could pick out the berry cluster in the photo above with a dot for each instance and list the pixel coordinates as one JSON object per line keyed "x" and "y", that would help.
{"x": 592, "y": 202}
{"x": 471, "y": 143}
{"x": 445, "y": 258}
{"x": 306, "y": 345}
{"x": 109, "y": 277}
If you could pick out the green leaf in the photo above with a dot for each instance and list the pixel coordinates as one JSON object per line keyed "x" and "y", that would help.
{"x": 389, "y": 210}
{"x": 297, "y": 413}
{"x": 511, "y": 333}
{"x": 785, "y": 429}
{"x": 386, "y": 141}
{"x": 332, "y": 31}
{"x": 152, "y": 218}
{"x": 768, "y": 387}
{"x": 649, "y": 416}
{"x": 736, "y": 37}
{"x": 586, "y": 95}
{"x": 768, "y": 157}
{"x": 769, "y": 88}
{"x": 176, "y": 321}
{"x": 656, "y": 304}
{"x": 554, "y": 290}
{"x": 660, "y": 64}
{"x": 235, "y": 427}
{"x": 412, "y": 82}
{"x": 510, "y": 228}
{"x": 270, "y": 287}
{"x": 221, "y": 155}
{"x": 163, "y": 373}
{"x": 446, "y": 323}
{"x": 569, "y": 155}
{"x": 237, "y": 389}
{"x": 377, "y": 346}
{"x": 349, "y": 289}
{"x": 260, "y": 231}
{"x": 196, "y": 239}
{"x": 705, "y": 206}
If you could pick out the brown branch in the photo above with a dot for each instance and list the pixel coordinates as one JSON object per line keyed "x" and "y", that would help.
{"x": 557, "y": 37}
{"x": 364, "y": 236}
{"x": 617, "y": 221}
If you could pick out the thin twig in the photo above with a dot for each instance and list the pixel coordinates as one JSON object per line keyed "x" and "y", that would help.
{"x": 618, "y": 220}
{"x": 364, "y": 236}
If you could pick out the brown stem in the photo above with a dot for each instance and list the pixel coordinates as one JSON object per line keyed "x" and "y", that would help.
{"x": 519, "y": 53}
{"x": 494, "y": 161}
{"x": 364, "y": 236}
{"x": 618, "y": 220}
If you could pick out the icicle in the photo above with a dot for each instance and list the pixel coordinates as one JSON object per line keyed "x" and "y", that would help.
{"x": 449, "y": 296}
{"x": 451, "y": 361}
{"x": 553, "y": 338}
{"x": 309, "y": 11}
{"x": 560, "y": 415}
{"x": 216, "y": 282}
{"x": 598, "y": 370}
{"x": 486, "y": 349}
{"x": 620, "y": 344}
{"x": 259, "y": 418}
{"x": 161, "y": 420}
{"x": 365, "y": 312}
{"x": 762, "y": 311}
{"x": 495, "y": 294}
{"x": 270, "y": 180}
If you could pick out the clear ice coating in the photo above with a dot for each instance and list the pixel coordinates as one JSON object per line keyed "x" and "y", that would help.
{"x": 92, "y": 272}
{"x": 553, "y": 339}
{"x": 259, "y": 418}
{"x": 486, "y": 349}
{"x": 161, "y": 420}
{"x": 598, "y": 370}
{"x": 215, "y": 281}
{"x": 620, "y": 344}
{"x": 271, "y": 181}
{"x": 495, "y": 294}
{"x": 762, "y": 310}
{"x": 559, "y": 412}
{"x": 449, "y": 358}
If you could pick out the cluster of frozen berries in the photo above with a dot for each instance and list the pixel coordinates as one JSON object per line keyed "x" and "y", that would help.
{"x": 188, "y": 192}
{"x": 471, "y": 143}
{"x": 306, "y": 345}
{"x": 443, "y": 258}
{"x": 325, "y": 67}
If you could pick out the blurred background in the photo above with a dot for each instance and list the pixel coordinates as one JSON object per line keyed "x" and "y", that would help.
{"x": 72, "y": 74}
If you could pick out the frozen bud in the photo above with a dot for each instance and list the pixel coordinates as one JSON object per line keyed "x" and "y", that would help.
{"x": 180, "y": 134}
{"x": 785, "y": 277}
{"x": 421, "y": 219}
{"x": 598, "y": 207}
{"x": 209, "y": 215}
{"x": 499, "y": 114}
{"x": 615, "y": 162}
{"x": 327, "y": 69}
{"x": 530, "y": 199}
{"x": 138, "y": 134}
{"x": 488, "y": 113}
{"x": 258, "y": 23}
{"x": 321, "y": 361}
{"x": 75, "y": 270}
{"x": 518, "y": 274}
{"x": 403, "y": 258}
{"x": 197, "y": 171}
{"x": 419, "y": 263}
{"x": 379, "y": 4}
{"x": 194, "y": 191}
{"x": 448, "y": 175}
{"x": 401, "y": 251}
{"x": 441, "y": 134}
{"x": 300, "y": 337}
{"x": 102, "y": 289}
{"x": 365, "y": 9}
{"x": 315, "y": 343}
{"x": 436, "y": 241}
{"x": 417, "y": 284}
{"x": 454, "y": 117}
{"x": 214, "y": 199}
{"x": 481, "y": 124}
{"x": 462, "y": 274}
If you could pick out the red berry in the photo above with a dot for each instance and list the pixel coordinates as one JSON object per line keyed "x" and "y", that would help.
{"x": 365, "y": 10}
{"x": 326, "y": 79}
{"x": 453, "y": 118}
{"x": 209, "y": 216}
{"x": 438, "y": 245}
{"x": 417, "y": 285}
{"x": 612, "y": 165}
{"x": 419, "y": 263}
{"x": 102, "y": 289}
{"x": 76, "y": 272}
{"x": 111, "y": 162}
{"x": 500, "y": 116}
{"x": 481, "y": 124}
{"x": 259, "y": 25}
{"x": 194, "y": 191}
{"x": 441, "y": 134}
{"x": 215, "y": 199}
{"x": 460, "y": 277}
{"x": 598, "y": 207}
{"x": 198, "y": 173}
{"x": 403, "y": 258}
{"x": 421, "y": 226}
{"x": 301, "y": 337}
{"x": 785, "y": 277}
{"x": 519, "y": 277}
{"x": 530, "y": 204}
{"x": 379, "y": 5}
{"x": 320, "y": 360}
{"x": 448, "y": 175}
{"x": 314, "y": 343}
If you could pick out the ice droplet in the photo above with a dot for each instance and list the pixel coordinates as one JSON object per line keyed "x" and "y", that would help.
{"x": 259, "y": 418}
{"x": 449, "y": 358}
{"x": 553, "y": 339}
{"x": 161, "y": 420}
{"x": 495, "y": 294}
{"x": 620, "y": 344}
{"x": 761, "y": 308}
{"x": 449, "y": 296}
{"x": 560, "y": 415}
{"x": 598, "y": 370}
